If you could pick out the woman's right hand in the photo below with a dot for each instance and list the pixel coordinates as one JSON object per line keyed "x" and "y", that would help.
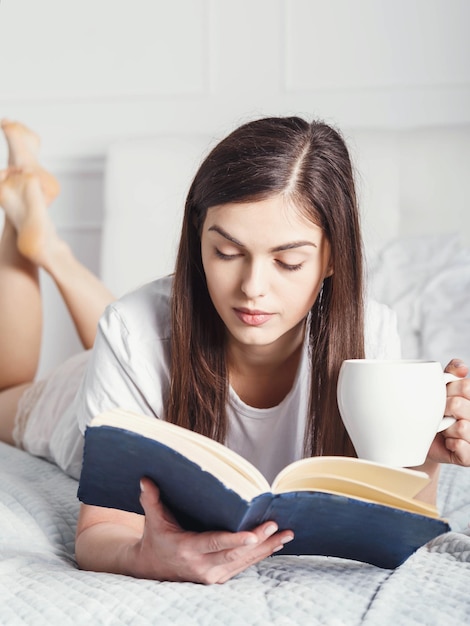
{"x": 167, "y": 552}
{"x": 155, "y": 546}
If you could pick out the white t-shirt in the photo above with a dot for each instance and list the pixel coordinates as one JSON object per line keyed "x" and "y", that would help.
{"x": 130, "y": 367}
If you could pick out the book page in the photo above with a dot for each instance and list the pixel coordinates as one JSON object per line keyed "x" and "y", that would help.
{"x": 402, "y": 482}
{"x": 358, "y": 490}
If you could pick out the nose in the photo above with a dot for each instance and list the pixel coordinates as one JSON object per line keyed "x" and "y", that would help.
{"x": 254, "y": 282}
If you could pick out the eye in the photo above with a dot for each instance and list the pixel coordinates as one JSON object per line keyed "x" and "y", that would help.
{"x": 224, "y": 256}
{"x": 289, "y": 267}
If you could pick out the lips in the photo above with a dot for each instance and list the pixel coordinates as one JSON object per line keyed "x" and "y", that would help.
{"x": 252, "y": 317}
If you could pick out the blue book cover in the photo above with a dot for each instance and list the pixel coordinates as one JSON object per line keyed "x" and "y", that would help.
{"x": 324, "y": 522}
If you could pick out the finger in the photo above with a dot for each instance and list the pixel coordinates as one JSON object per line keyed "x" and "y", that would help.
{"x": 457, "y": 367}
{"x": 149, "y": 493}
{"x": 152, "y": 504}
{"x": 217, "y": 542}
{"x": 453, "y": 444}
{"x": 458, "y": 402}
{"x": 243, "y": 552}
{"x": 240, "y": 566}
{"x": 459, "y": 451}
{"x": 228, "y": 563}
{"x": 269, "y": 530}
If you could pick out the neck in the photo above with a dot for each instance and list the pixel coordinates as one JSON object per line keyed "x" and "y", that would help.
{"x": 262, "y": 376}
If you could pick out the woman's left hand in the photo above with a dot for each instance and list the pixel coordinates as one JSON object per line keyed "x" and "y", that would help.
{"x": 453, "y": 444}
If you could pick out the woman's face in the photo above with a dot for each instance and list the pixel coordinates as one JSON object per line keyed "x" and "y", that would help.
{"x": 264, "y": 265}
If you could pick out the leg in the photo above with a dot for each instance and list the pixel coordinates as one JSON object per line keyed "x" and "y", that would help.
{"x": 20, "y": 327}
{"x": 84, "y": 294}
{"x": 27, "y": 225}
{"x": 20, "y": 313}
{"x": 29, "y": 242}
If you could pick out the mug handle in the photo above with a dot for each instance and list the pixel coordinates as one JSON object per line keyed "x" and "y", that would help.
{"x": 447, "y": 421}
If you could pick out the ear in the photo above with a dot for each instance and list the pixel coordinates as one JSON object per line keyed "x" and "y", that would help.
{"x": 330, "y": 268}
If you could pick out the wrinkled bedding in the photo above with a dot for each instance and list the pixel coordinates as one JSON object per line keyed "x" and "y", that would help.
{"x": 40, "y": 583}
{"x": 432, "y": 302}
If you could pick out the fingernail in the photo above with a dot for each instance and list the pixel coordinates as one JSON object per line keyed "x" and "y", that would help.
{"x": 142, "y": 486}
{"x": 284, "y": 540}
{"x": 270, "y": 530}
{"x": 458, "y": 363}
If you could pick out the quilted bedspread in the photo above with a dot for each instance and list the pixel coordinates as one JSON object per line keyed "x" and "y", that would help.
{"x": 40, "y": 583}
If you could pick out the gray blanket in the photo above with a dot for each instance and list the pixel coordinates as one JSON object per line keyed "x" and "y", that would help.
{"x": 41, "y": 584}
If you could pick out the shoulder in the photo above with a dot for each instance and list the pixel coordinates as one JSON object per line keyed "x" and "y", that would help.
{"x": 381, "y": 331}
{"x": 145, "y": 308}
{"x": 131, "y": 358}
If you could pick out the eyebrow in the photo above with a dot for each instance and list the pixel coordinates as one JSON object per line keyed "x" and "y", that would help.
{"x": 285, "y": 246}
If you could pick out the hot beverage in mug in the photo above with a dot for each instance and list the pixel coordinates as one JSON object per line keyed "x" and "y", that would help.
{"x": 392, "y": 410}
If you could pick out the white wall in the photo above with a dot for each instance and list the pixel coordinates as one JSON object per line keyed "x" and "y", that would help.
{"x": 87, "y": 73}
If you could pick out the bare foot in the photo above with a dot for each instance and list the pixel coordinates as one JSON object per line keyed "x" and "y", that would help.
{"x": 22, "y": 198}
{"x": 23, "y": 152}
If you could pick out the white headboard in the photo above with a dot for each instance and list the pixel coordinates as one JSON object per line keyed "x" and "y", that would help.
{"x": 146, "y": 182}
{"x": 413, "y": 182}
{"x": 410, "y": 182}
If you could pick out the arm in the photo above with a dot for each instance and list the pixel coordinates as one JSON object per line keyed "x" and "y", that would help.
{"x": 156, "y": 547}
{"x": 104, "y": 537}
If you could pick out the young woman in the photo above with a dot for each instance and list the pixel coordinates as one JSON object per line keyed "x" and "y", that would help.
{"x": 243, "y": 344}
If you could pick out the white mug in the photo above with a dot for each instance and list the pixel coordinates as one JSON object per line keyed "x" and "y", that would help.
{"x": 392, "y": 410}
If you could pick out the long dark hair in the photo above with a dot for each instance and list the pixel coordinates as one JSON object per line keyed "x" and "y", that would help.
{"x": 310, "y": 163}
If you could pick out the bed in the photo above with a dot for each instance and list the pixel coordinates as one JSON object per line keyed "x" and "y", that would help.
{"x": 41, "y": 585}
{"x": 414, "y": 189}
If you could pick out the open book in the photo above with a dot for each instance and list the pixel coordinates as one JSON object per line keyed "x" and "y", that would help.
{"x": 337, "y": 506}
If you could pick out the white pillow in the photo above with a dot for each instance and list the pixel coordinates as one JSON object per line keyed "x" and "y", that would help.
{"x": 445, "y": 315}
{"x": 399, "y": 276}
